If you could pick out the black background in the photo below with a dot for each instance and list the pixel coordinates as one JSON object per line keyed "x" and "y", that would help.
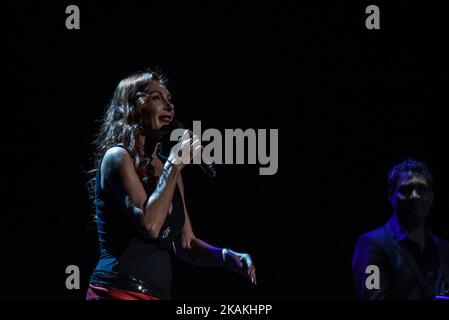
{"x": 348, "y": 102}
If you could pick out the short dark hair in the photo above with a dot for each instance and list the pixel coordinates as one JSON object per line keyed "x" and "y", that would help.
{"x": 409, "y": 165}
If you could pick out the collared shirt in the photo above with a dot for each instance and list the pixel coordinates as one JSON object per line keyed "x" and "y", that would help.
{"x": 426, "y": 259}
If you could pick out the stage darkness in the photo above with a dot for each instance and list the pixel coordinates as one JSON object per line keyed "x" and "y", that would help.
{"x": 348, "y": 102}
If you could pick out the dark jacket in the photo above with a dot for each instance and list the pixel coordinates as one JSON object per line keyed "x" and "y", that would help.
{"x": 403, "y": 275}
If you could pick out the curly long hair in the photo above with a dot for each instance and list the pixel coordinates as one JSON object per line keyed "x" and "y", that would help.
{"x": 122, "y": 124}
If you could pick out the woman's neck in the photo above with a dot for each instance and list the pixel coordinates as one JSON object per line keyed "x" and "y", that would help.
{"x": 147, "y": 146}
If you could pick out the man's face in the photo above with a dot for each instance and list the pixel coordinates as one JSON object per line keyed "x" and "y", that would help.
{"x": 412, "y": 198}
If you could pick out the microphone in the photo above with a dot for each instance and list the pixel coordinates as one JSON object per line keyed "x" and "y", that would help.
{"x": 208, "y": 168}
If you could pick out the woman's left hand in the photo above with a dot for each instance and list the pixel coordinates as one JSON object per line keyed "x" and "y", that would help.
{"x": 240, "y": 263}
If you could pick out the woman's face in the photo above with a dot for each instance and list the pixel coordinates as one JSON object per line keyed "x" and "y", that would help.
{"x": 156, "y": 107}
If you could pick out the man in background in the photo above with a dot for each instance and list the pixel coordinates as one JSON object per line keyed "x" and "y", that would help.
{"x": 412, "y": 263}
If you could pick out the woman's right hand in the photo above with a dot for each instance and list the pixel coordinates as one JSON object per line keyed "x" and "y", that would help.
{"x": 187, "y": 149}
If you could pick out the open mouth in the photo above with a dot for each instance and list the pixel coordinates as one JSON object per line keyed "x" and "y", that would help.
{"x": 165, "y": 119}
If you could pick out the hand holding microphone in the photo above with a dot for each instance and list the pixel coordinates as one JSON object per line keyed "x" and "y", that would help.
{"x": 189, "y": 150}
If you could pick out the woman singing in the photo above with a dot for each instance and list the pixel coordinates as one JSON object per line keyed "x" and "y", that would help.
{"x": 139, "y": 198}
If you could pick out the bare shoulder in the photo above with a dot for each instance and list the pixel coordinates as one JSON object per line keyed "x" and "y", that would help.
{"x": 116, "y": 158}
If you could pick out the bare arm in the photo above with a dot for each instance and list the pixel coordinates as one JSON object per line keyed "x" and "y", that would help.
{"x": 119, "y": 175}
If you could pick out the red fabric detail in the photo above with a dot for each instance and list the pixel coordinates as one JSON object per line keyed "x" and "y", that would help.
{"x": 96, "y": 292}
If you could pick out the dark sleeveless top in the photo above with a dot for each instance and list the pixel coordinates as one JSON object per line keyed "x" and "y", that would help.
{"x": 129, "y": 258}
